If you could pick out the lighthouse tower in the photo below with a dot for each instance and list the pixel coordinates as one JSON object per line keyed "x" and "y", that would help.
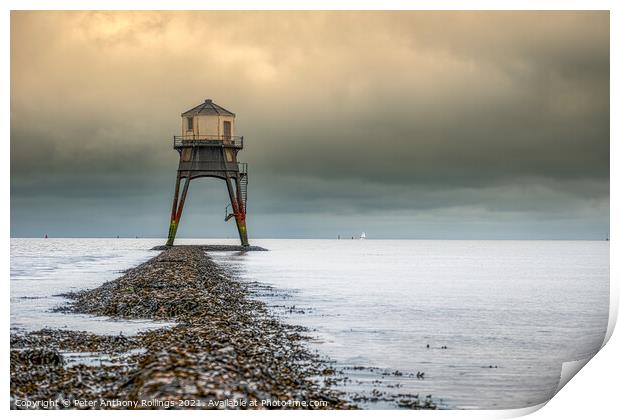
{"x": 208, "y": 147}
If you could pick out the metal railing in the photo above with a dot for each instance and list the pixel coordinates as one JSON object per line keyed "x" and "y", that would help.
{"x": 208, "y": 140}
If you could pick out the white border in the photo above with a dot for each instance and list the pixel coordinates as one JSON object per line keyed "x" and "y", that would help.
{"x": 311, "y": 5}
{"x": 593, "y": 394}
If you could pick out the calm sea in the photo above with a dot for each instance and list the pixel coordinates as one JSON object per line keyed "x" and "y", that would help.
{"x": 451, "y": 309}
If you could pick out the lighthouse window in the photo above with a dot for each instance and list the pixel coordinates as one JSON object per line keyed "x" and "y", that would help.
{"x": 190, "y": 123}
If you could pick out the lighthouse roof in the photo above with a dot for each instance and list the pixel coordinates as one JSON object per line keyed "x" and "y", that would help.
{"x": 208, "y": 107}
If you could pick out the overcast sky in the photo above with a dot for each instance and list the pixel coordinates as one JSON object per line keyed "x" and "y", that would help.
{"x": 440, "y": 125}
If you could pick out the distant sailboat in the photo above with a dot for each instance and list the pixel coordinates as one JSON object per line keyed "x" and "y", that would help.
{"x": 363, "y": 235}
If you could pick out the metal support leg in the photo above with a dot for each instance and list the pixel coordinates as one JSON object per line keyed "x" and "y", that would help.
{"x": 177, "y": 210}
{"x": 175, "y": 200}
{"x": 239, "y": 213}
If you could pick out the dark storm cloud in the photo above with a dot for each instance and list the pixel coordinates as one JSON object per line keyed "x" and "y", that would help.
{"x": 465, "y": 116}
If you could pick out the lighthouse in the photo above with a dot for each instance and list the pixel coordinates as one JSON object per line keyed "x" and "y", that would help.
{"x": 208, "y": 148}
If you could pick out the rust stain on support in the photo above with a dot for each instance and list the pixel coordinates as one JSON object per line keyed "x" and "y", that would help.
{"x": 238, "y": 211}
{"x": 177, "y": 211}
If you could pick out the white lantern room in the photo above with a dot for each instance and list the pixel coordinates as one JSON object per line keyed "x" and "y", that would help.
{"x": 208, "y": 121}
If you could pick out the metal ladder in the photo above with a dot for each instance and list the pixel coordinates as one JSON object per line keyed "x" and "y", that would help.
{"x": 243, "y": 183}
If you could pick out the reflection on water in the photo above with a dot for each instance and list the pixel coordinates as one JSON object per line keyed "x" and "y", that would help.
{"x": 41, "y": 269}
{"x": 489, "y": 323}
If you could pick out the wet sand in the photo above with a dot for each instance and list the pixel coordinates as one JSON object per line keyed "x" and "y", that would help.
{"x": 226, "y": 350}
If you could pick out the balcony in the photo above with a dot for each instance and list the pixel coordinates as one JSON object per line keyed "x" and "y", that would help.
{"x": 208, "y": 140}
